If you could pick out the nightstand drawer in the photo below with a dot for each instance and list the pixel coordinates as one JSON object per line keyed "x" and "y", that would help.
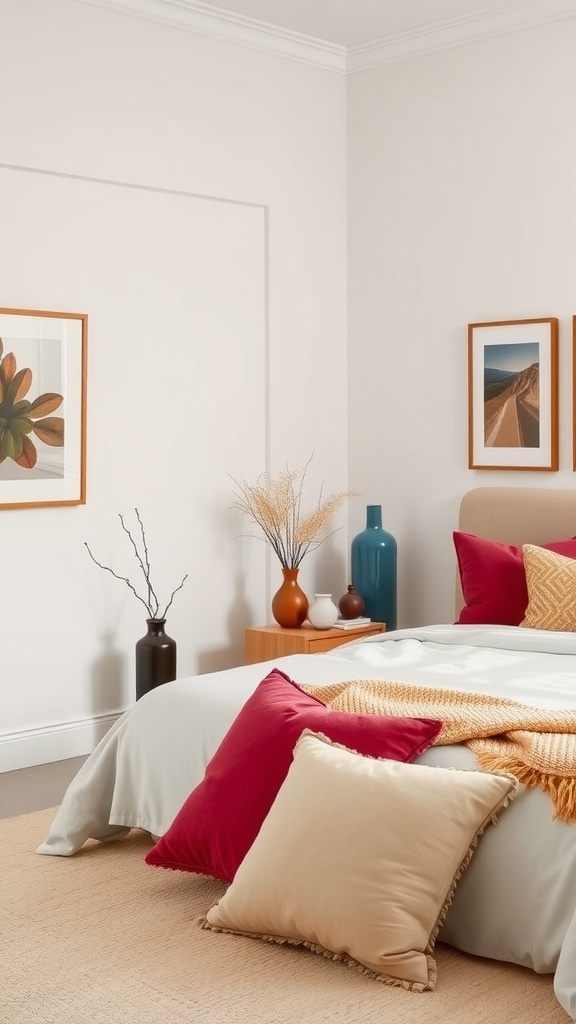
{"x": 263, "y": 643}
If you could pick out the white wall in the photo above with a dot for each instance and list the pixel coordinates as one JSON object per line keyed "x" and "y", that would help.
{"x": 190, "y": 196}
{"x": 180, "y": 192}
{"x": 462, "y": 208}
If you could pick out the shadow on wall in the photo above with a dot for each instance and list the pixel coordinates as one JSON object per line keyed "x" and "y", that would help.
{"x": 107, "y": 678}
{"x": 331, "y": 571}
{"x": 240, "y": 615}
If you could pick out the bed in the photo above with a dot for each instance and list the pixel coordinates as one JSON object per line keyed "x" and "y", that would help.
{"x": 516, "y": 900}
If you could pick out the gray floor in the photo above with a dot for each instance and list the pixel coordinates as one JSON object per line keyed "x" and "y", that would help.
{"x": 32, "y": 789}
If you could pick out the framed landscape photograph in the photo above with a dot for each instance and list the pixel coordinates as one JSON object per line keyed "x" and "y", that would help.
{"x": 574, "y": 392}
{"x": 42, "y": 408}
{"x": 513, "y": 394}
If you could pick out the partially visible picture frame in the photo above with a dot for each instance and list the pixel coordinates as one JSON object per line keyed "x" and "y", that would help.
{"x": 42, "y": 408}
{"x": 513, "y": 394}
{"x": 574, "y": 393}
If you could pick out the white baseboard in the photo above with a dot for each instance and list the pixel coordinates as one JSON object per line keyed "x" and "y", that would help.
{"x": 53, "y": 742}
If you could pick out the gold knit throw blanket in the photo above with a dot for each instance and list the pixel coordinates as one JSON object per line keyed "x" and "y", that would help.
{"x": 536, "y": 745}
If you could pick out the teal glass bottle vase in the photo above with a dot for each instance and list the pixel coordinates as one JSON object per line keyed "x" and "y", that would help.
{"x": 373, "y": 558}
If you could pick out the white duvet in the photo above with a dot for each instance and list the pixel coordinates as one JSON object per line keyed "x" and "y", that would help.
{"x": 517, "y": 899}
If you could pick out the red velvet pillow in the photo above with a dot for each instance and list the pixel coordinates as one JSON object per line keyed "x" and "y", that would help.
{"x": 493, "y": 578}
{"x": 219, "y": 821}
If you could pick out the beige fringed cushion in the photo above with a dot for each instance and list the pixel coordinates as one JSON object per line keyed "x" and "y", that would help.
{"x": 551, "y": 581}
{"x": 358, "y": 859}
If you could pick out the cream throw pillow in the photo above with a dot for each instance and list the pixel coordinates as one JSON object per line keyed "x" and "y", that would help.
{"x": 551, "y": 581}
{"x": 358, "y": 859}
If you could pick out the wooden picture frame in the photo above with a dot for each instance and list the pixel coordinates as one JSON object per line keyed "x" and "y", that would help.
{"x": 513, "y": 394}
{"x": 574, "y": 393}
{"x": 42, "y": 408}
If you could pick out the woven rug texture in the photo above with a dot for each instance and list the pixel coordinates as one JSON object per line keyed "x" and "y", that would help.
{"x": 101, "y": 938}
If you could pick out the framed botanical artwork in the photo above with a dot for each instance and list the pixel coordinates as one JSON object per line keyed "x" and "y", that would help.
{"x": 513, "y": 394}
{"x": 42, "y": 408}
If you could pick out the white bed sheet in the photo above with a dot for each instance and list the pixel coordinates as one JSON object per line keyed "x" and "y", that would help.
{"x": 517, "y": 899}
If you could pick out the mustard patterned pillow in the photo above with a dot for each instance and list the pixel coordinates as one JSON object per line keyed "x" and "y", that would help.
{"x": 551, "y": 581}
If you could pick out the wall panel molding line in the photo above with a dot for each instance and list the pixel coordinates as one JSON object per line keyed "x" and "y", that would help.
{"x": 138, "y": 186}
{"x": 53, "y": 742}
{"x": 201, "y": 18}
{"x": 164, "y": 190}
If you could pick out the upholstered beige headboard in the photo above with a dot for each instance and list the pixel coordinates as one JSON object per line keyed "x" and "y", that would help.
{"x": 517, "y": 515}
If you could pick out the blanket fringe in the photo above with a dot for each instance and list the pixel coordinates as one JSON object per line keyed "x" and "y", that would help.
{"x": 562, "y": 791}
{"x": 536, "y": 745}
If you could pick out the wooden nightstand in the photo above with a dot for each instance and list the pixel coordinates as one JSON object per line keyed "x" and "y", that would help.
{"x": 262, "y": 643}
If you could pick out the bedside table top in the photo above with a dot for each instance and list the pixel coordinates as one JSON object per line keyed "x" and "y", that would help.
{"x": 310, "y": 631}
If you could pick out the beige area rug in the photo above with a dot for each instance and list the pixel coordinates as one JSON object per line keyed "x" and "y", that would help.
{"x": 100, "y": 938}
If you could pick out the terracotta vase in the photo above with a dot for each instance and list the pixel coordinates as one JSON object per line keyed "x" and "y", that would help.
{"x": 290, "y": 604}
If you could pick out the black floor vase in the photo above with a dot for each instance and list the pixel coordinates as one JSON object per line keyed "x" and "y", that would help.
{"x": 155, "y": 658}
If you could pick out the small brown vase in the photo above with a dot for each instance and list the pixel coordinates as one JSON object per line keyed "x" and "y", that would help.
{"x": 352, "y": 604}
{"x": 290, "y": 604}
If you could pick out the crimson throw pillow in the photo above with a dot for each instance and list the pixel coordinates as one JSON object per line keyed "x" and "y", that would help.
{"x": 219, "y": 821}
{"x": 493, "y": 578}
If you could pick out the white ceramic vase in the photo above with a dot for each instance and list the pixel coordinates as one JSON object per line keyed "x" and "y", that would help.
{"x": 322, "y": 613}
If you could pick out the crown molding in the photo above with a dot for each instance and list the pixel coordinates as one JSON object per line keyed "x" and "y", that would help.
{"x": 444, "y": 35}
{"x": 203, "y": 19}
{"x": 232, "y": 28}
